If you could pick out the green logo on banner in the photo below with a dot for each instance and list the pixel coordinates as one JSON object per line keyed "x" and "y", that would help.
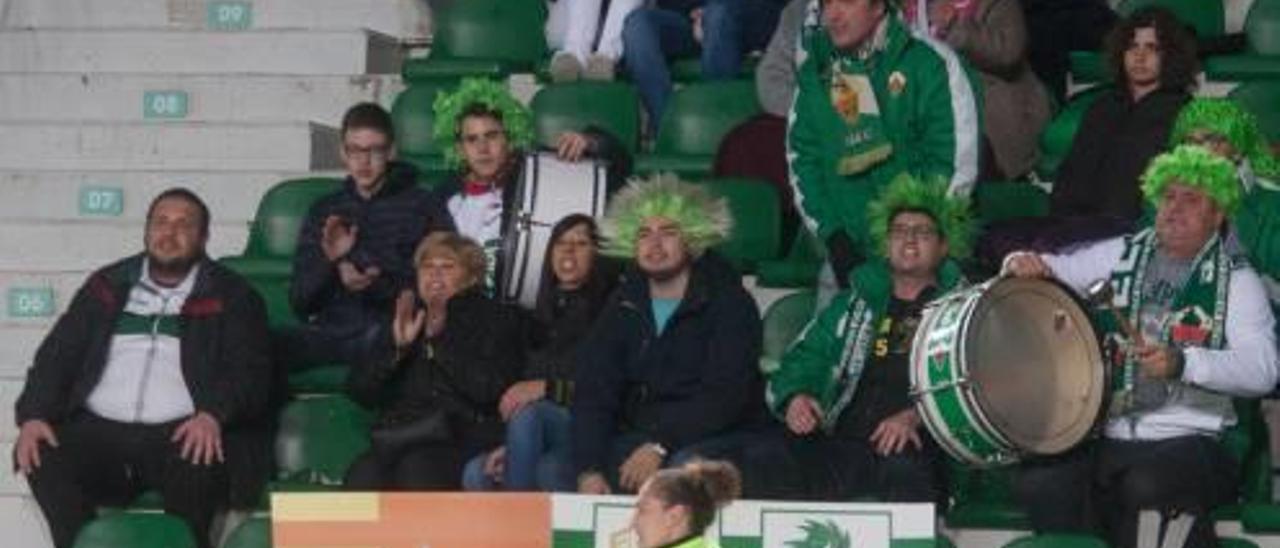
{"x": 30, "y": 302}
{"x": 229, "y": 15}
{"x": 106, "y": 201}
{"x": 164, "y": 104}
{"x": 822, "y": 535}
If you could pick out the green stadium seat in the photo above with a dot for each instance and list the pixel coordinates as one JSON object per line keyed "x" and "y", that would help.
{"x": 983, "y": 499}
{"x": 274, "y": 231}
{"x": 253, "y": 533}
{"x": 611, "y": 106}
{"x": 493, "y": 38}
{"x": 1057, "y": 541}
{"x": 1207, "y": 17}
{"x": 319, "y": 438}
{"x": 1224, "y": 542}
{"x": 319, "y": 380}
{"x": 689, "y": 69}
{"x": 1000, "y": 200}
{"x": 1262, "y": 59}
{"x": 697, "y": 118}
{"x": 1262, "y": 98}
{"x": 413, "y": 115}
{"x": 1056, "y": 139}
{"x": 783, "y": 321}
{"x": 1088, "y": 66}
{"x": 757, "y": 220}
{"x": 136, "y": 531}
{"x": 799, "y": 268}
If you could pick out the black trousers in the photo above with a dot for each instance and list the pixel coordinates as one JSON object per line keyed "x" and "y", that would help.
{"x": 103, "y": 462}
{"x": 789, "y": 467}
{"x": 1101, "y": 487}
{"x": 428, "y": 467}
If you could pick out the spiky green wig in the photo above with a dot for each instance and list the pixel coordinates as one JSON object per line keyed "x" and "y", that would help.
{"x": 1229, "y": 120}
{"x": 704, "y": 219}
{"x": 906, "y": 193}
{"x": 1196, "y": 167}
{"x": 494, "y": 97}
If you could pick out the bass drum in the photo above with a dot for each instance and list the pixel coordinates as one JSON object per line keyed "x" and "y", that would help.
{"x": 549, "y": 190}
{"x": 1008, "y": 369}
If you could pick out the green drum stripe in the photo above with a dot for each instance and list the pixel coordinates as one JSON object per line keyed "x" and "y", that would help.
{"x": 962, "y": 429}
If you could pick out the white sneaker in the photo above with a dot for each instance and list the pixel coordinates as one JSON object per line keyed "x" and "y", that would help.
{"x": 564, "y": 67}
{"x": 599, "y": 67}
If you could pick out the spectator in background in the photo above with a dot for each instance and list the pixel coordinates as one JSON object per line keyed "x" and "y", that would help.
{"x": 673, "y": 359}
{"x": 575, "y": 284}
{"x": 157, "y": 377}
{"x": 776, "y": 73}
{"x": 992, "y": 36}
{"x": 873, "y": 102}
{"x": 1056, "y": 28}
{"x": 677, "y": 505}
{"x": 491, "y": 131}
{"x": 724, "y": 30}
{"x": 456, "y": 352}
{"x": 355, "y": 245}
{"x": 1096, "y": 192}
{"x": 588, "y": 43}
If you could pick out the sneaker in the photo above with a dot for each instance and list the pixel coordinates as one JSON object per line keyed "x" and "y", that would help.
{"x": 564, "y": 67}
{"x": 599, "y": 68}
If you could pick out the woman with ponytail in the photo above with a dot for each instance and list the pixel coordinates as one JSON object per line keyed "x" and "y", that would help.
{"x": 677, "y": 504}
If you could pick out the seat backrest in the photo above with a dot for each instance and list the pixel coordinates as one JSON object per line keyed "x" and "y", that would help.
{"x": 283, "y": 209}
{"x": 320, "y": 437}
{"x": 1059, "y": 540}
{"x": 783, "y": 321}
{"x": 1262, "y": 27}
{"x": 1056, "y": 139}
{"x": 136, "y": 531}
{"x": 413, "y": 115}
{"x": 699, "y": 115}
{"x": 253, "y": 533}
{"x": 503, "y": 30}
{"x": 611, "y": 106}
{"x": 1207, "y": 17}
{"x": 757, "y": 220}
{"x": 1261, "y": 98}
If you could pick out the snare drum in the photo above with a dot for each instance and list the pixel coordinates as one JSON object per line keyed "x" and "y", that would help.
{"x": 549, "y": 190}
{"x": 1006, "y": 369}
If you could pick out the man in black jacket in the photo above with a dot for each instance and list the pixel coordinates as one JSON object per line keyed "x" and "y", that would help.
{"x": 156, "y": 377}
{"x": 672, "y": 361}
{"x": 354, "y": 249}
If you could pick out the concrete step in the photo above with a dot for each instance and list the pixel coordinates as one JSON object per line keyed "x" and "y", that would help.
{"x": 82, "y": 246}
{"x": 238, "y": 98}
{"x": 232, "y": 197}
{"x": 402, "y": 18}
{"x": 9, "y": 391}
{"x": 199, "y": 52}
{"x": 11, "y": 485}
{"x": 175, "y": 146}
{"x": 22, "y": 523}
{"x": 18, "y": 344}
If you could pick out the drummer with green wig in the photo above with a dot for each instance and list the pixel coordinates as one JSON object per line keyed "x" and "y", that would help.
{"x": 842, "y": 389}
{"x": 484, "y": 132}
{"x": 1196, "y": 331}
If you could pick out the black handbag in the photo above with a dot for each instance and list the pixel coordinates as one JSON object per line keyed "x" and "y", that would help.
{"x": 398, "y": 432}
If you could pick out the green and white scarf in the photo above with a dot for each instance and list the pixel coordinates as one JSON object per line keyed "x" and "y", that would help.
{"x": 854, "y": 99}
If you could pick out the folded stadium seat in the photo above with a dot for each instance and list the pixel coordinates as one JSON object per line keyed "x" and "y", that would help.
{"x": 757, "y": 222}
{"x": 1235, "y": 543}
{"x": 1249, "y": 442}
{"x": 493, "y": 38}
{"x": 1262, "y": 98}
{"x": 611, "y": 106}
{"x": 983, "y": 499}
{"x": 1057, "y": 541}
{"x": 319, "y": 437}
{"x": 1206, "y": 17}
{"x": 1056, "y": 139}
{"x": 800, "y": 266}
{"x": 413, "y": 115}
{"x": 1001, "y": 200}
{"x": 1261, "y": 61}
{"x": 689, "y": 69}
{"x": 697, "y": 118}
{"x": 136, "y": 531}
{"x": 253, "y": 533}
{"x": 783, "y": 321}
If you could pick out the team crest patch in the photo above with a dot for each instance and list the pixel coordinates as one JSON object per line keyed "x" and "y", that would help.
{"x": 897, "y": 83}
{"x": 1188, "y": 327}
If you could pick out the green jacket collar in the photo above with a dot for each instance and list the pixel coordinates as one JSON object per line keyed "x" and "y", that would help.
{"x": 874, "y": 283}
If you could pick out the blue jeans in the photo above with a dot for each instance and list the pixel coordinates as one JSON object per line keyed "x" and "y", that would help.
{"x": 730, "y": 29}
{"x": 537, "y": 453}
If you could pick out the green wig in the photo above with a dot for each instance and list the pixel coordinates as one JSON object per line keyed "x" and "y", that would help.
{"x": 1226, "y": 118}
{"x": 704, "y": 219}
{"x": 493, "y": 97}
{"x": 1196, "y": 167}
{"x": 906, "y": 193}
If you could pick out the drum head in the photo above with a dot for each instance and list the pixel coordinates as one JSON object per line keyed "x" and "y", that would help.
{"x": 1035, "y": 364}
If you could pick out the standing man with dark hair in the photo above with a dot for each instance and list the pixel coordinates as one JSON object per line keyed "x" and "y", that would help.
{"x": 354, "y": 251}
{"x": 156, "y": 377}
{"x": 873, "y": 102}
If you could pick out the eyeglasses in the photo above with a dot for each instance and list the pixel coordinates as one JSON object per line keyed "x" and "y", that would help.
{"x": 375, "y": 152}
{"x": 912, "y": 232}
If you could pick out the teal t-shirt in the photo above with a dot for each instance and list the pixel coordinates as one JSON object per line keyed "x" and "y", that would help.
{"x": 662, "y": 311}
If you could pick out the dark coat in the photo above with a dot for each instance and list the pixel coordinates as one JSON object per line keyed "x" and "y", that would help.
{"x": 698, "y": 379}
{"x": 391, "y": 224}
{"x": 465, "y": 369}
{"x": 562, "y": 320}
{"x": 224, "y": 352}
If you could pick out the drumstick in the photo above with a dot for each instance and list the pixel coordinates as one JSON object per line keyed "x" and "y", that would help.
{"x": 1102, "y": 293}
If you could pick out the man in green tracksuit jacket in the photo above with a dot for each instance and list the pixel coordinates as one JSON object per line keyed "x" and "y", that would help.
{"x": 873, "y": 102}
